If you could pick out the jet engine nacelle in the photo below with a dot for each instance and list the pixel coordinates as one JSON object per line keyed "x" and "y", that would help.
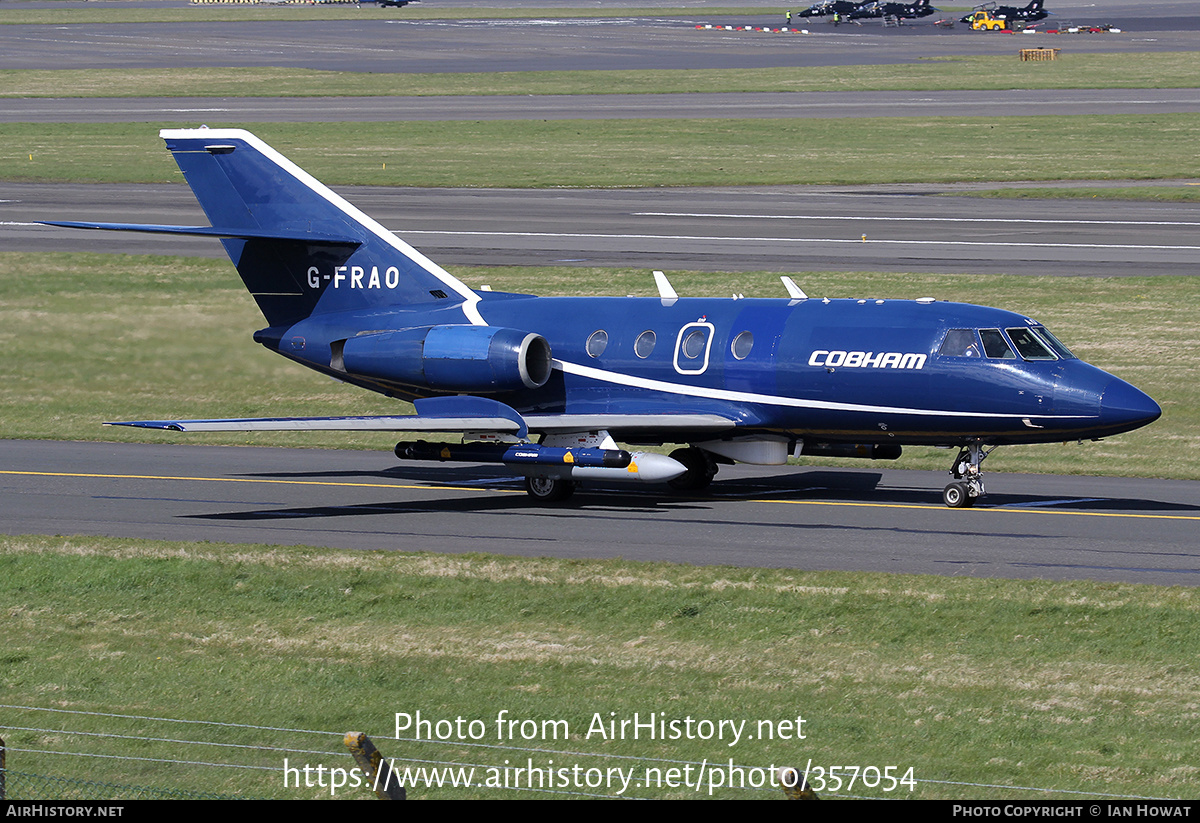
{"x": 473, "y": 359}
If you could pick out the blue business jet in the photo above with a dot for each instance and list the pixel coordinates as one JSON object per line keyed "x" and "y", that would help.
{"x": 549, "y": 386}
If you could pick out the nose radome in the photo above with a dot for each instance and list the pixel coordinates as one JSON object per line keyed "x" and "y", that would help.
{"x": 1125, "y": 406}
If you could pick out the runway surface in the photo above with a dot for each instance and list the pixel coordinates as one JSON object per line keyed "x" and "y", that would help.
{"x": 785, "y": 229}
{"x": 400, "y": 45}
{"x": 1029, "y": 526}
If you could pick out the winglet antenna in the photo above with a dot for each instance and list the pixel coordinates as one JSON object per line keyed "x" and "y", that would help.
{"x": 793, "y": 290}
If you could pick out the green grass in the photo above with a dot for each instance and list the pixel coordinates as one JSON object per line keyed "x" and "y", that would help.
{"x": 90, "y": 338}
{"x": 1076, "y": 71}
{"x": 1183, "y": 192}
{"x": 975, "y": 684}
{"x": 640, "y": 153}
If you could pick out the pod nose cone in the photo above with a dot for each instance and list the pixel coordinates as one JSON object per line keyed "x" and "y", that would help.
{"x": 1125, "y": 407}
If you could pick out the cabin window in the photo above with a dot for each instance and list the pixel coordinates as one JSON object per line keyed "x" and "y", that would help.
{"x": 960, "y": 343}
{"x": 995, "y": 346}
{"x": 742, "y": 344}
{"x": 643, "y": 347}
{"x": 597, "y": 343}
{"x": 693, "y": 343}
{"x": 1029, "y": 345}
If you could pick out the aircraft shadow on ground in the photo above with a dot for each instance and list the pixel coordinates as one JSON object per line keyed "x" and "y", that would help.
{"x": 810, "y": 486}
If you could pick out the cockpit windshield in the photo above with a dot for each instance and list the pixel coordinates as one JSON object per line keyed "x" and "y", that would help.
{"x": 1028, "y": 342}
{"x": 1030, "y": 345}
{"x": 1054, "y": 343}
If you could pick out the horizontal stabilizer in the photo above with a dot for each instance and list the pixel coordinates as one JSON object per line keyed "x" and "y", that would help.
{"x": 213, "y": 231}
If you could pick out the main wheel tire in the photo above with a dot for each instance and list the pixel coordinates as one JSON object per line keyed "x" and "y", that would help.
{"x": 549, "y": 489}
{"x": 700, "y": 470}
{"x": 957, "y": 496}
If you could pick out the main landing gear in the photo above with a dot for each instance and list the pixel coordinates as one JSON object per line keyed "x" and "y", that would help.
{"x": 701, "y": 469}
{"x": 549, "y": 489}
{"x": 968, "y": 479}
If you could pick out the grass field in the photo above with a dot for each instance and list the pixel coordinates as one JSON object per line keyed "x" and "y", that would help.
{"x": 640, "y": 153}
{"x": 986, "y": 688}
{"x": 983, "y": 73}
{"x": 99, "y": 337}
{"x": 1179, "y": 192}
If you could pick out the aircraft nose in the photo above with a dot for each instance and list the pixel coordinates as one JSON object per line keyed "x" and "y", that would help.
{"x": 1126, "y": 407}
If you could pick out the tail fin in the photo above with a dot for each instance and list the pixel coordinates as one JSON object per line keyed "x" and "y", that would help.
{"x": 299, "y": 248}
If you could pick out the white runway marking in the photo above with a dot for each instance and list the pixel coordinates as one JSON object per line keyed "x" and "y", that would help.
{"x": 1001, "y": 221}
{"x": 856, "y": 241}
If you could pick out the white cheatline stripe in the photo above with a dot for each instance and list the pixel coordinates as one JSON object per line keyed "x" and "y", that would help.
{"x": 771, "y": 400}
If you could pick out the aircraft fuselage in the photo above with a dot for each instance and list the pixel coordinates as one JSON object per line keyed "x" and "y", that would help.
{"x": 862, "y": 371}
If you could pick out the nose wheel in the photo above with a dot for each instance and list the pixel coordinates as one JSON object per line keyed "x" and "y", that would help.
{"x": 968, "y": 478}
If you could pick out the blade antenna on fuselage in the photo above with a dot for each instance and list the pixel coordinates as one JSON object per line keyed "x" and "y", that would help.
{"x": 794, "y": 291}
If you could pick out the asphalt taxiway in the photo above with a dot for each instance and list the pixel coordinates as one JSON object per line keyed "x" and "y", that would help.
{"x": 784, "y": 229}
{"x": 401, "y": 46}
{"x": 1028, "y": 526}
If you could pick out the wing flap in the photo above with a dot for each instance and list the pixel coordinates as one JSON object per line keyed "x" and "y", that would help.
{"x": 615, "y": 423}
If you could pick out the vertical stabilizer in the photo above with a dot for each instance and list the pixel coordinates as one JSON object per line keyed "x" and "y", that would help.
{"x": 300, "y": 248}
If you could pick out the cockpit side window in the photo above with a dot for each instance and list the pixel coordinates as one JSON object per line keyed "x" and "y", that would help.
{"x": 960, "y": 343}
{"x": 1029, "y": 345}
{"x": 995, "y": 346}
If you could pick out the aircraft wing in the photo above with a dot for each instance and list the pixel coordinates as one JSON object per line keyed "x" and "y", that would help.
{"x": 380, "y": 423}
{"x": 434, "y": 414}
{"x": 454, "y": 414}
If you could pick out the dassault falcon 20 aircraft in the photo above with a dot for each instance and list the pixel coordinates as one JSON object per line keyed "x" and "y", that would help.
{"x": 550, "y": 385}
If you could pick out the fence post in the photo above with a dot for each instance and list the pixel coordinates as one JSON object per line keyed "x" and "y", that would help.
{"x": 795, "y": 784}
{"x": 373, "y": 764}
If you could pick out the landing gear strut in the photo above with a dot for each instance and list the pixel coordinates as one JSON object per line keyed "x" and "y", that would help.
{"x": 968, "y": 479}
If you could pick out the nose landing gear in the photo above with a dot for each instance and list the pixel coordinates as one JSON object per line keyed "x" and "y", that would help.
{"x": 968, "y": 479}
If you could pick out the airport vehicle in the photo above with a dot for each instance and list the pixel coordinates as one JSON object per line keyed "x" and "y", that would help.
{"x": 984, "y": 21}
{"x": 732, "y": 380}
{"x": 920, "y": 8}
{"x": 1026, "y": 14}
{"x": 831, "y": 7}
